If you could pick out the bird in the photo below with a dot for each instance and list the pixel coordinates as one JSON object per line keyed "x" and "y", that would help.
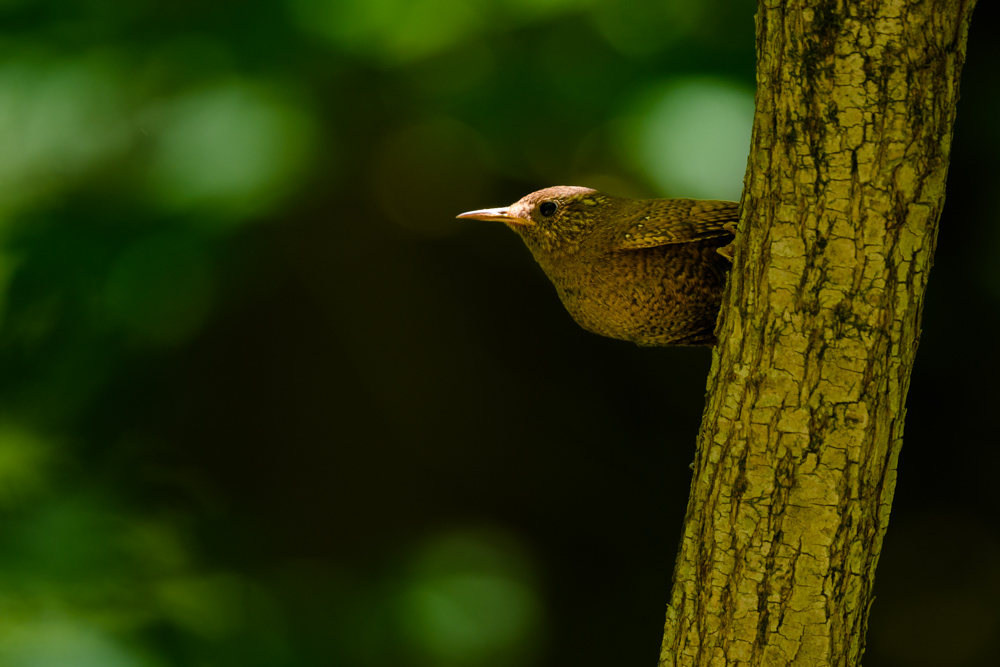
{"x": 649, "y": 271}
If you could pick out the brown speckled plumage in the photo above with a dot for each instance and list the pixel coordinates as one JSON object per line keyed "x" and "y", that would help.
{"x": 643, "y": 270}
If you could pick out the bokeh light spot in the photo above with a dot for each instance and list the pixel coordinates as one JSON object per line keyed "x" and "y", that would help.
{"x": 57, "y": 120}
{"x": 692, "y": 137}
{"x": 232, "y": 149}
{"x": 472, "y": 601}
{"x": 460, "y": 617}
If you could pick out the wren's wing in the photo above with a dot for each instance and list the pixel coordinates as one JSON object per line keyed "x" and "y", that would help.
{"x": 666, "y": 221}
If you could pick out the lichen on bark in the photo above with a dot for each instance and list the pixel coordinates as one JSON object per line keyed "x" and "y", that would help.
{"x": 796, "y": 457}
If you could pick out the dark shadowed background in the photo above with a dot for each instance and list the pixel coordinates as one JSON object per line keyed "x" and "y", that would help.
{"x": 264, "y": 402}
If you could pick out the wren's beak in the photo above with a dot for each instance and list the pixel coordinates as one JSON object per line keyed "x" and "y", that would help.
{"x": 495, "y": 214}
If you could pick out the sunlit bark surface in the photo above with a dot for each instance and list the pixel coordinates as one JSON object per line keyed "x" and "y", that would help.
{"x": 797, "y": 452}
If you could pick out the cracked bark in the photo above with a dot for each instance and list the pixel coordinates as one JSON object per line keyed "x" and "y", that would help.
{"x": 796, "y": 458}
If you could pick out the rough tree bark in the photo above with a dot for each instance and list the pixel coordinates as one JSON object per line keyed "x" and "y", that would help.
{"x": 796, "y": 461}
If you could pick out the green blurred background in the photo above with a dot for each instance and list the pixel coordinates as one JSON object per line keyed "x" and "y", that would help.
{"x": 266, "y": 403}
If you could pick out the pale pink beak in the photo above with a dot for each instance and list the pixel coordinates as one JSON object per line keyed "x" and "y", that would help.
{"x": 495, "y": 214}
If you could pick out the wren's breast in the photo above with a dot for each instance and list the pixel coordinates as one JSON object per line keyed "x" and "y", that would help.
{"x": 654, "y": 296}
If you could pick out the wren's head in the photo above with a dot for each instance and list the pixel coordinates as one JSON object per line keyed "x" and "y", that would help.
{"x": 554, "y": 221}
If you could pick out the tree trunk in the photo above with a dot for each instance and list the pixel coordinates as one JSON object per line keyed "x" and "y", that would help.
{"x": 796, "y": 461}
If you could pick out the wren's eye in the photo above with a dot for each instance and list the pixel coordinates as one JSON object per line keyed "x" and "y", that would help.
{"x": 547, "y": 208}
